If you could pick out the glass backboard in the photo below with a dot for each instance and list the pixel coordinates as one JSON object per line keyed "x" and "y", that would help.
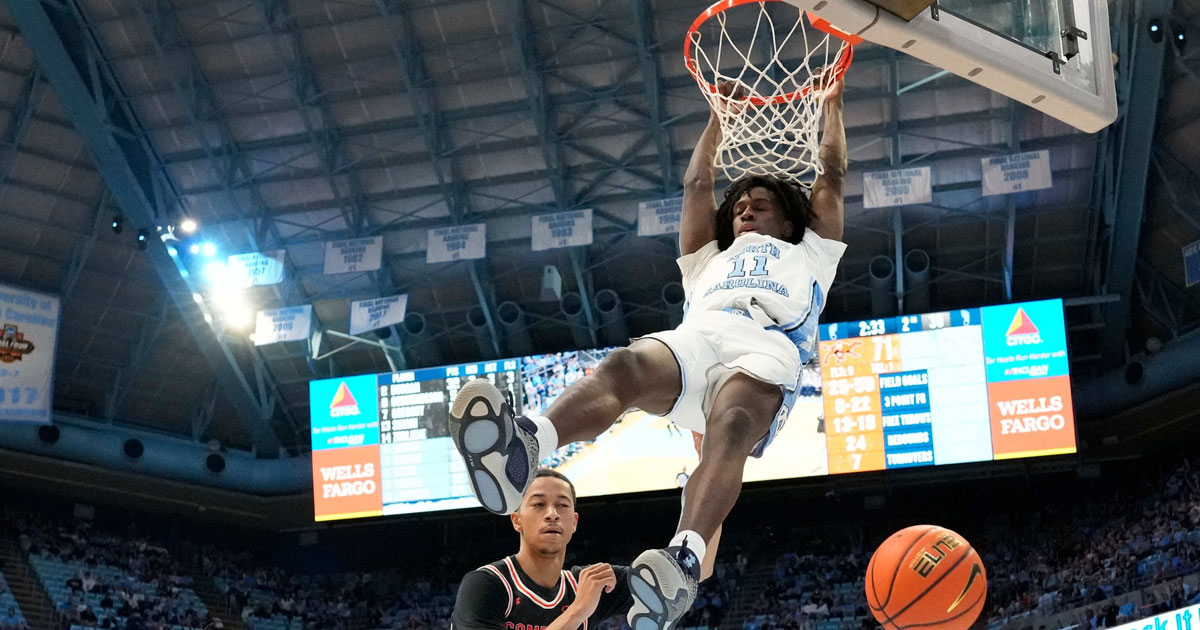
{"x": 1053, "y": 55}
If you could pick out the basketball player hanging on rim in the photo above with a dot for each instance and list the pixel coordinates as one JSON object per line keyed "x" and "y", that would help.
{"x": 756, "y": 270}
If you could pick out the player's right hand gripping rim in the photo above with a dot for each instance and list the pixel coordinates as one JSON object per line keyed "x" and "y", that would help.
{"x": 501, "y": 455}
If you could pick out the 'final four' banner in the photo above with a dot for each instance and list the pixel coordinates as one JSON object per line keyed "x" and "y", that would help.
{"x": 897, "y": 188}
{"x": 360, "y": 254}
{"x": 660, "y": 217}
{"x": 460, "y": 242}
{"x": 28, "y": 333}
{"x": 561, "y": 229}
{"x": 257, "y": 268}
{"x": 378, "y": 313}
{"x": 293, "y": 323}
{"x": 1016, "y": 173}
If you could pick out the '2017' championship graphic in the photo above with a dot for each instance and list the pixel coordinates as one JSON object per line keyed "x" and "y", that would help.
{"x": 940, "y": 388}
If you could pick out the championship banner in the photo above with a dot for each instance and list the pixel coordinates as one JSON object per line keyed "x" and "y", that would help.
{"x": 659, "y": 217}
{"x": 28, "y": 333}
{"x": 561, "y": 229}
{"x": 906, "y": 186}
{"x": 293, "y": 323}
{"x": 1015, "y": 173}
{"x": 257, "y": 268}
{"x": 366, "y": 315}
{"x": 461, "y": 242}
{"x": 360, "y": 254}
{"x": 1191, "y": 263}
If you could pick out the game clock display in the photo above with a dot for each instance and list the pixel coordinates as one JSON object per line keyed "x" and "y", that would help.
{"x": 943, "y": 388}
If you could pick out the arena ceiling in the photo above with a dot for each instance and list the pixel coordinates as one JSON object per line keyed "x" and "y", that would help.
{"x": 281, "y": 124}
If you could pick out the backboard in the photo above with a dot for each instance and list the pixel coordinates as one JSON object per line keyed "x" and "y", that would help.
{"x": 1053, "y": 55}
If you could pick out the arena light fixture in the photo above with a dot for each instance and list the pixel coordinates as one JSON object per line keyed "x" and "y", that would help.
{"x": 118, "y": 223}
{"x": 187, "y": 226}
{"x": 215, "y": 272}
{"x": 208, "y": 249}
{"x": 234, "y": 310}
{"x": 143, "y": 239}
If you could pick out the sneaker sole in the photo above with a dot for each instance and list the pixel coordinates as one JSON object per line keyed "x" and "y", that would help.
{"x": 651, "y": 607}
{"x": 482, "y": 437}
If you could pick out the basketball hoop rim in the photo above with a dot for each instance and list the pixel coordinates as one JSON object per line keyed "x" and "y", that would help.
{"x": 840, "y": 65}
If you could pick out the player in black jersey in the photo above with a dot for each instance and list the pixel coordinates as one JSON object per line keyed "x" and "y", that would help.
{"x": 530, "y": 590}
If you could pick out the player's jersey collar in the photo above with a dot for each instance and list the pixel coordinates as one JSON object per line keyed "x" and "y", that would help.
{"x": 527, "y": 586}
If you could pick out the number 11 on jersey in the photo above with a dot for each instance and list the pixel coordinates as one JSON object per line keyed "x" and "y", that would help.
{"x": 739, "y": 267}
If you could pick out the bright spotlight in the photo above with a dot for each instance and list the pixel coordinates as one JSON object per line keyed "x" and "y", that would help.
{"x": 215, "y": 272}
{"x": 209, "y": 249}
{"x": 199, "y": 299}
{"x": 187, "y": 226}
{"x": 194, "y": 249}
{"x": 143, "y": 238}
{"x": 239, "y": 318}
{"x": 234, "y": 309}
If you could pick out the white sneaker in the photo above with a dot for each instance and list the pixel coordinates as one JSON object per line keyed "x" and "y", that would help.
{"x": 500, "y": 451}
{"x": 663, "y": 583}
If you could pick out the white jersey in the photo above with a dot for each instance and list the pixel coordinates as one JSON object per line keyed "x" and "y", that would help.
{"x": 777, "y": 284}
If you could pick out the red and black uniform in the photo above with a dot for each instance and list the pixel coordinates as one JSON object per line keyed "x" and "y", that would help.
{"x": 500, "y": 596}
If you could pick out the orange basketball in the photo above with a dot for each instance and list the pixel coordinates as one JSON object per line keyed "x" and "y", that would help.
{"x": 926, "y": 577}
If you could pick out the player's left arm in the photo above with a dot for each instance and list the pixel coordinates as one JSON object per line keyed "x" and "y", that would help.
{"x": 828, "y": 191}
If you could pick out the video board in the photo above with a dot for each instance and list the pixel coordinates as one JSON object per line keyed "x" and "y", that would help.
{"x": 958, "y": 386}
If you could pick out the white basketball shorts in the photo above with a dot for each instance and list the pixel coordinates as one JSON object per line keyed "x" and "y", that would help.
{"x": 711, "y": 346}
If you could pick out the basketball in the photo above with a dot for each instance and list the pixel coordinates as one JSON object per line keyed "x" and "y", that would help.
{"x": 926, "y": 577}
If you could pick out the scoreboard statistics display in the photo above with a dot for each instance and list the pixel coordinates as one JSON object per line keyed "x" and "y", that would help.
{"x": 380, "y": 443}
{"x": 958, "y": 386}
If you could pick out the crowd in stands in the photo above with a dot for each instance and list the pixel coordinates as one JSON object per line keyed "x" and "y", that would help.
{"x": 817, "y": 589}
{"x": 1058, "y": 558}
{"x": 1069, "y": 556}
{"x": 100, "y": 579}
{"x": 11, "y": 619}
{"x": 545, "y": 378}
{"x": 270, "y": 597}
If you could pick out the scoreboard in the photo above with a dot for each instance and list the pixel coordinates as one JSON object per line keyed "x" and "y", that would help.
{"x": 381, "y": 444}
{"x": 957, "y": 386}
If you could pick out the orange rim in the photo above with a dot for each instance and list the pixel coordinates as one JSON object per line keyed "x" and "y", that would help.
{"x": 840, "y": 65}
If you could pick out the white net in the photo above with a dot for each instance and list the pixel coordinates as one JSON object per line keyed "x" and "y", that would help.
{"x": 778, "y": 67}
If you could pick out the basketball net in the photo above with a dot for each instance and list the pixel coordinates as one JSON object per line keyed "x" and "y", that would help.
{"x": 782, "y": 70}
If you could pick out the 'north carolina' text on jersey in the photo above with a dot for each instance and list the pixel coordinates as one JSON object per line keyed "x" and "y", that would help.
{"x": 777, "y": 284}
